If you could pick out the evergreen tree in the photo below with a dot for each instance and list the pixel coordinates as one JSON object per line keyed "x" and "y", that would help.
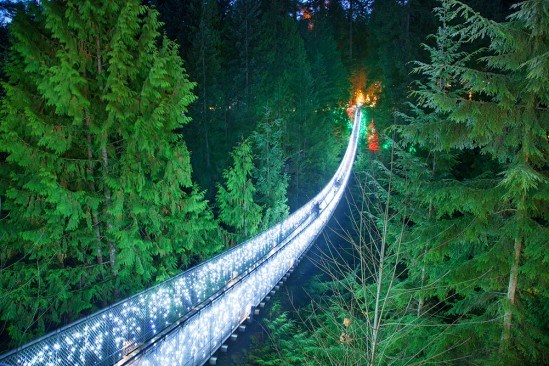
{"x": 205, "y": 60}
{"x": 286, "y": 344}
{"x": 243, "y": 33}
{"x": 439, "y": 164}
{"x": 395, "y": 31}
{"x": 246, "y": 24}
{"x": 272, "y": 182}
{"x": 330, "y": 81}
{"x": 267, "y": 64}
{"x": 99, "y": 198}
{"x": 198, "y": 27}
{"x": 235, "y": 199}
{"x": 327, "y": 128}
{"x": 7, "y": 9}
{"x": 485, "y": 261}
{"x": 285, "y": 84}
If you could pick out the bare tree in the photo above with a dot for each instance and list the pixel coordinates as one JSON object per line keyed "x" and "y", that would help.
{"x": 370, "y": 315}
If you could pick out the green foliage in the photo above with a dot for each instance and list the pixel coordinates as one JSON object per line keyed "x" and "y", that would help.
{"x": 395, "y": 31}
{"x": 97, "y": 184}
{"x": 237, "y": 208}
{"x": 272, "y": 182}
{"x": 478, "y": 220}
{"x": 205, "y": 62}
{"x": 251, "y": 55}
{"x": 464, "y": 213}
{"x": 287, "y": 344}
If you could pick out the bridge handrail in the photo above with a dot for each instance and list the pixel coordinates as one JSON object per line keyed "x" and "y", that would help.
{"x": 185, "y": 291}
{"x": 193, "y": 341}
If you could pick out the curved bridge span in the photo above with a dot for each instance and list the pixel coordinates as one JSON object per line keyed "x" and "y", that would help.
{"x": 184, "y": 320}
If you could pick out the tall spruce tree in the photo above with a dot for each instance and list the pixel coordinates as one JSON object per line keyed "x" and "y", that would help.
{"x": 326, "y": 126}
{"x": 272, "y": 181}
{"x": 198, "y": 27}
{"x": 438, "y": 163}
{"x": 245, "y": 31}
{"x": 99, "y": 198}
{"x": 237, "y": 208}
{"x": 285, "y": 84}
{"x": 486, "y": 261}
{"x": 205, "y": 60}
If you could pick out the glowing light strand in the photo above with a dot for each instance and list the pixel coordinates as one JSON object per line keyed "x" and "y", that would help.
{"x": 232, "y": 282}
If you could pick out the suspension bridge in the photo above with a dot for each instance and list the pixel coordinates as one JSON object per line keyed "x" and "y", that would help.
{"x": 184, "y": 320}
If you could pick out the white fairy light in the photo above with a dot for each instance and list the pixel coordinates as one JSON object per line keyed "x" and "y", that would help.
{"x": 231, "y": 283}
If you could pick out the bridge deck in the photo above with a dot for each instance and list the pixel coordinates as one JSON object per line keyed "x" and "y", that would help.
{"x": 184, "y": 320}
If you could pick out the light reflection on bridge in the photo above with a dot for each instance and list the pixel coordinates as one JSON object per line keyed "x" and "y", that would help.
{"x": 184, "y": 320}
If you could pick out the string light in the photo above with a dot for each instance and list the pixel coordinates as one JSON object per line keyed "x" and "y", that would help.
{"x": 215, "y": 296}
{"x": 193, "y": 344}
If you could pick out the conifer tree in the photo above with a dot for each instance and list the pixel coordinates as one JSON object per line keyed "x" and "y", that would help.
{"x": 285, "y": 84}
{"x": 330, "y": 76}
{"x": 100, "y": 200}
{"x": 199, "y": 27}
{"x": 244, "y": 34}
{"x": 489, "y": 229}
{"x": 287, "y": 342}
{"x": 246, "y": 24}
{"x": 324, "y": 131}
{"x": 437, "y": 164}
{"x": 205, "y": 61}
{"x": 272, "y": 182}
{"x": 237, "y": 208}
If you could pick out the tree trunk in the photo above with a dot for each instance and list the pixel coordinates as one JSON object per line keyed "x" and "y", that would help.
{"x": 379, "y": 279}
{"x": 351, "y": 31}
{"x": 204, "y": 104}
{"x": 421, "y": 301}
{"x": 99, "y": 62}
{"x": 107, "y": 195}
{"x": 104, "y": 155}
{"x": 95, "y": 220}
{"x": 511, "y": 292}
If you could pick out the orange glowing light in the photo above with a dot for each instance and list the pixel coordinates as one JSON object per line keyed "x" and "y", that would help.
{"x": 351, "y": 113}
{"x": 359, "y": 98}
{"x": 306, "y": 14}
{"x": 373, "y": 137}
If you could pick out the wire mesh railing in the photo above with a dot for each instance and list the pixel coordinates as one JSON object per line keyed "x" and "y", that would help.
{"x": 208, "y": 300}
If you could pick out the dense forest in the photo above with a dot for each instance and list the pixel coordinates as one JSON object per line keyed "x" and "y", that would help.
{"x": 138, "y": 138}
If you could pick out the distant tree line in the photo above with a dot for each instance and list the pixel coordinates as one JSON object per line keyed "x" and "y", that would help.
{"x": 258, "y": 60}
